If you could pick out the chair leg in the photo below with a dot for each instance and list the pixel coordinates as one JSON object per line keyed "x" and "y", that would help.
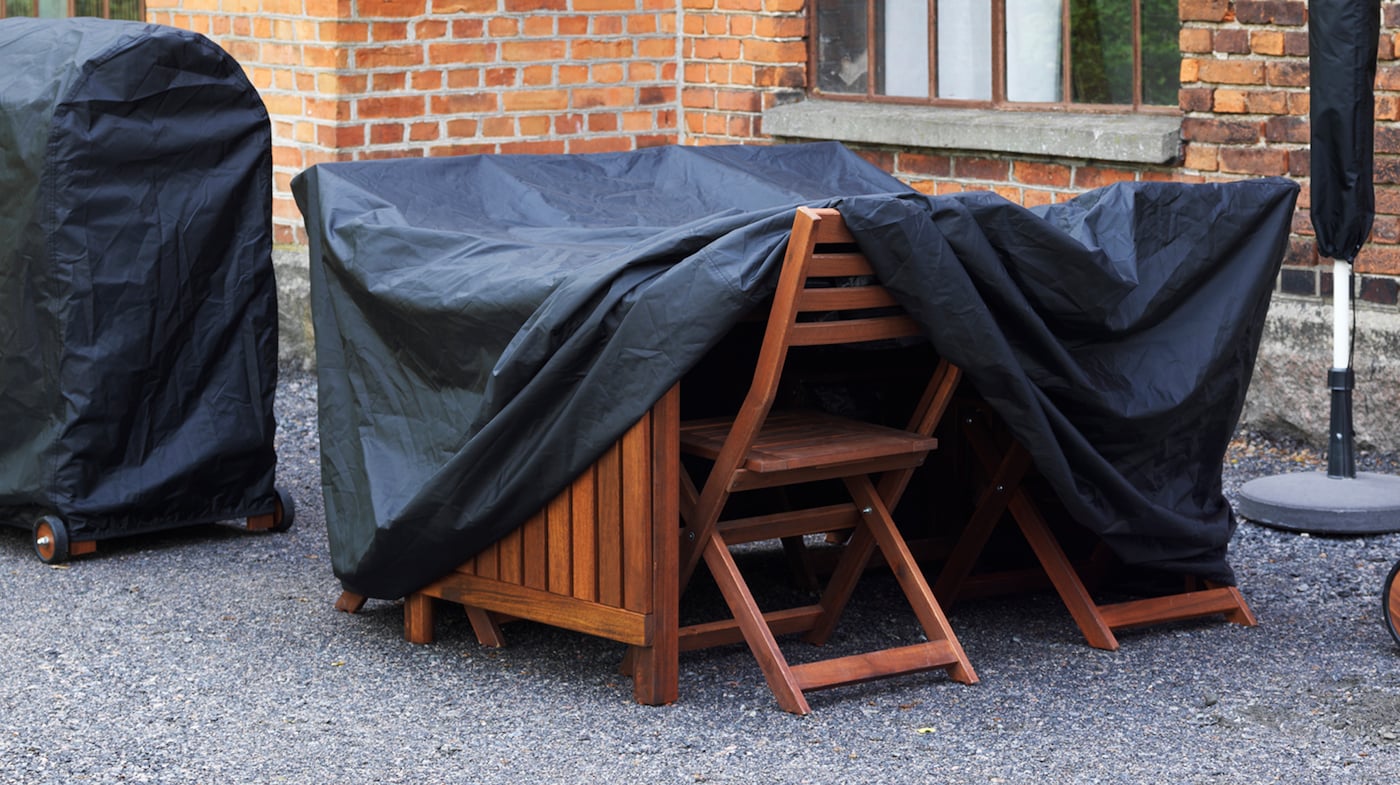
{"x": 488, "y": 631}
{"x": 910, "y": 577}
{"x": 756, "y": 631}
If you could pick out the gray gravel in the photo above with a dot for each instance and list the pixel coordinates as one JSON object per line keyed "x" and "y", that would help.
{"x": 209, "y": 655}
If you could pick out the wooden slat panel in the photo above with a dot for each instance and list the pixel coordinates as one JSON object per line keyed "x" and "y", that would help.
{"x": 609, "y": 505}
{"x": 488, "y": 562}
{"x": 535, "y": 538}
{"x": 585, "y": 535}
{"x": 540, "y": 606}
{"x": 559, "y": 543}
{"x": 636, "y": 518}
{"x": 512, "y": 567}
{"x": 854, "y": 331}
{"x": 656, "y": 672}
{"x": 845, "y": 298}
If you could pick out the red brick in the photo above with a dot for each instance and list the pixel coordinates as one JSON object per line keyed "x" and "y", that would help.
{"x": 1266, "y": 42}
{"x": 1288, "y": 74}
{"x": 534, "y": 125}
{"x": 423, "y": 132}
{"x": 1046, "y": 174}
{"x": 1219, "y": 131}
{"x": 1253, "y": 160}
{"x": 1243, "y": 72}
{"x": 1196, "y": 99}
{"x": 390, "y": 106}
{"x": 760, "y": 51}
{"x": 923, "y": 164}
{"x": 1379, "y": 260}
{"x": 389, "y": 57}
{"x": 1231, "y": 41}
{"x": 1270, "y": 12}
{"x": 533, "y": 51}
{"x": 448, "y": 54}
{"x": 462, "y": 128}
{"x": 465, "y": 103}
{"x": 534, "y": 100}
{"x": 981, "y": 169}
{"x": 376, "y": 8}
{"x": 386, "y": 133}
{"x": 1088, "y": 177}
{"x": 1387, "y": 169}
{"x": 1194, "y": 39}
{"x": 1292, "y": 129}
{"x": 463, "y": 6}
{"x": 601, "y": 50}
{"x": 1204, "y": 10}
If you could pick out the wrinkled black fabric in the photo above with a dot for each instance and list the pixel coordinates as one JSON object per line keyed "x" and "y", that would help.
{"x": 1343, "y": 38}
{"x": 487, "y": 326}
{"x": 138, "y": 319}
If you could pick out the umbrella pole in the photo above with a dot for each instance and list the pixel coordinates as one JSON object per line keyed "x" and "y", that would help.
{"x": 1341, "y": 455}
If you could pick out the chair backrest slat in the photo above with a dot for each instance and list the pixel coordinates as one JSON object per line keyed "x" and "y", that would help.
{"x": 838, "y": 265}
{"x": 853, "y": 331}
{"x": 845, "y": 298}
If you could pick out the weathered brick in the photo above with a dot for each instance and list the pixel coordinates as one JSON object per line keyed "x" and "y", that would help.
{"x": 1292, "y": 129}
{"x": 981, "y": 169}
{"x": 1203, "y": 10}
{"x": 1266, "y": 102}
{"x": 1202, "y": 158}
{"x": 1270, "y": 12}
{"x": 1387, "y": 169}
{"x": 1087, "y": 177}
{"x": 1379, "y": 259}
{"x": 1253, "y": 160}
{"x": 1196, "y": 99}
{"x": 1266, "y": 42}
{"x": 908, "y": 163}
{"x": 389, "y": 106}
{"x": 1229, "y": 101}
{"x": 1231, "y": 41}
{"x": 1295, "y": 44}
{"x": 1303, "y": 282}
{"x": 1288, "y": 74}
{"x": 1194, "y": 129}
{"x": 1299, "y": 163}
{"x": 1242, "y": 72}
{"x": 1381, "y": 291}
{"x": 1196, "y": 40}
{"x": 1046, "y": 174}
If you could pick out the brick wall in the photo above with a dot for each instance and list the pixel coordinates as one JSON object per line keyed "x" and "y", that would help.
{"x": 359, "y": 79}
{"x": 353, "y": 79}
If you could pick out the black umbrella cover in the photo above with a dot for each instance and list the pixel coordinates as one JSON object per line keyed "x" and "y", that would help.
{"x": 1342, "y": 39}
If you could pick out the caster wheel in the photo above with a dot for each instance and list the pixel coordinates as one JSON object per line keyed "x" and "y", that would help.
{"x": 1390, "y": 602}
{"x": 51, "y": 539}
{"x": 285, "y": 513}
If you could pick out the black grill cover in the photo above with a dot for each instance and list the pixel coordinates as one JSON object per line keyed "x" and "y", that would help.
{"x": 486, "y": 326}
{"x": 137, "y": 303}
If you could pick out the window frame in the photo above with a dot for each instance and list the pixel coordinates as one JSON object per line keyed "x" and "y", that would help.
{"x": 72, "y": 10}
{"x": 998, "y": 101}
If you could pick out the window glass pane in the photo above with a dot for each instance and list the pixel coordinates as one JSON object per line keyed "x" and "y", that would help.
{"x": 841, "y": 46}
{"x": 53, "y": 9}
{"x": 87, "y": 7}
{"x": 904, "y": 38}
{"x": 1161, "y": 53}
{"x": 125, "y": 9}
{"x": 19, "y": 8}
{"x": 1101, "y": 51}
{"x": 964, "y": 49}
{"x": 1033, "y": 50}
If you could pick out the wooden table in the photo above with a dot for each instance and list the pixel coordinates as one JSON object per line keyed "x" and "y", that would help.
{"x": 600, "y": 558}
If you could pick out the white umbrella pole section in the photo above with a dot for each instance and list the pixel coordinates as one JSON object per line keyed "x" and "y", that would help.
{"x": 1341, "y": 456}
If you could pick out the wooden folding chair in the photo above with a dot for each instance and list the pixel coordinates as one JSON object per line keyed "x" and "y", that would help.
{"x": 1005, "y": 464}
{"x": 762, "y": 448}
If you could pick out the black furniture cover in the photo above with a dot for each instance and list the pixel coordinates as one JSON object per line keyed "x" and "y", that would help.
{"x": 138, "y": 328}
{"x": 486, "y": 326}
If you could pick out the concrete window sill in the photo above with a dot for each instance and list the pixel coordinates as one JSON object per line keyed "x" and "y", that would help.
{"x": 1125, "y": 138}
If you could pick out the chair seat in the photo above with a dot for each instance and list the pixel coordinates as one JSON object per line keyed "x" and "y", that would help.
{"x": 800, "y": 439}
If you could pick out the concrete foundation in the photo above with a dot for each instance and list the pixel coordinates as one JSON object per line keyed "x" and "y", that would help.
{"x": 1289, "y": 391}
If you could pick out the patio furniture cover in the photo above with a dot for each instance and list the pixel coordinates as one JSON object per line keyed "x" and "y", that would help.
{"x": 487, "y": 325}
{"x": 138, "y": 328}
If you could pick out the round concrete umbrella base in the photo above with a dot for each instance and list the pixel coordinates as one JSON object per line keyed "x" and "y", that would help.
{"x": 1315, "y": 503}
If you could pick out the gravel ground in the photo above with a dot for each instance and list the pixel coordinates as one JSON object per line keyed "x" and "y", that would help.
{"x": 209, "y": 655}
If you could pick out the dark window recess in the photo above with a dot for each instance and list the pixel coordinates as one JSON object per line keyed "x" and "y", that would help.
{"x": 1298, "y": 282}
{"x": 1382, "y": 291}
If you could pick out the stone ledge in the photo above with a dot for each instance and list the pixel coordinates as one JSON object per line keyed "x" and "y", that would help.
{"x": 1129, "y": 138}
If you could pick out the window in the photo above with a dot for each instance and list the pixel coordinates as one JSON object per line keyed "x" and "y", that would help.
{"x": 1002, "y": 53}
{"x": 110, "y": 9}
